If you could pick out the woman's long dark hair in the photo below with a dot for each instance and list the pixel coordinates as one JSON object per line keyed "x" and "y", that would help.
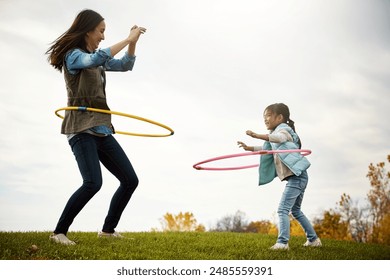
{"x": 74, "y": 37}
{"x": 282, "y": 109}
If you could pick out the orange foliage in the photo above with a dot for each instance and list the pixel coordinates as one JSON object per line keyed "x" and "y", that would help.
{"x": 263, "y": 227}
{"x": 181, "y": 222}
{"x": 379, "y": 198}
{"x": 295, "y": 228}
{"x": 332, "y": 226}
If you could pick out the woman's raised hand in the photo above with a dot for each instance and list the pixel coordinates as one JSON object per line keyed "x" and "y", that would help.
{"x": 135, "y": 33}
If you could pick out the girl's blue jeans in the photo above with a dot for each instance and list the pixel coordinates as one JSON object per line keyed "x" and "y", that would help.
{"x": 291, "y": 202}
{"x": 89, "y": 151}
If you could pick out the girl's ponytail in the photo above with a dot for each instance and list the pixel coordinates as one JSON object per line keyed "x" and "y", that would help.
{"x": 291, "y": 123}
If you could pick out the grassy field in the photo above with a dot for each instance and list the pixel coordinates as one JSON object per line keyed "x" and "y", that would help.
{"x": 179, "y": 246}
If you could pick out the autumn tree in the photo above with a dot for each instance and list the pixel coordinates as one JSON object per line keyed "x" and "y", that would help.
{"x": 357, "y": 218}
{"x": 379, "y": 199}
{"x": 181, "y": 222}
{"x": 347, "y": 221}
{"x": 331, "y": 225}
{"x": 362, "y": 223}
{"x": 263, "y": 226}
{"x": 232, "y": 223}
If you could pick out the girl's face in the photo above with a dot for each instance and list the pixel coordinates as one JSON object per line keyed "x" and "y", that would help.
{"x": 272, "y": 120}
{"x": 94, "y": 37}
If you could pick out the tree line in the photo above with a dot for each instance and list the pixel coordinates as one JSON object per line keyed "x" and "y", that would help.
{"x": 369, "y": 222}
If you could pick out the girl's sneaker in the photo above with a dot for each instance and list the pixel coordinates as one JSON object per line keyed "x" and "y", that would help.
{"x": 61, "y": 239}
{"x": 280, "y": 246}
{"x": 315, "y": 243}
{"x": 114, "y": 234}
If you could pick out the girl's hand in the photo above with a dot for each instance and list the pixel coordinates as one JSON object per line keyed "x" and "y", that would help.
{"x": 244, "y": 146}
{"x": 251, "y": 133}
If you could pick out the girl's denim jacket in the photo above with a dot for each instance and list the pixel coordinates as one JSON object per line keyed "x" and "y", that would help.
{"x": 294, "y": 161}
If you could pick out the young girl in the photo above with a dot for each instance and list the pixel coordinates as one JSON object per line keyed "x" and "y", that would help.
{"x": 290, "y": 167}
{"x": 90, "y": 134}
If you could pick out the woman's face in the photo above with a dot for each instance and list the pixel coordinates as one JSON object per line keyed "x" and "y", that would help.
{"x": 94, "y": 37}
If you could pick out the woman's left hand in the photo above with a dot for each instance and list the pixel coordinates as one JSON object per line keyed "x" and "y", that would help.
{"x": 135, "y": 33}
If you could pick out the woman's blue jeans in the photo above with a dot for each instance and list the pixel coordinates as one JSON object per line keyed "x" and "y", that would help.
{"x": 291, "y": 202}
{"x": 89, "y": 151}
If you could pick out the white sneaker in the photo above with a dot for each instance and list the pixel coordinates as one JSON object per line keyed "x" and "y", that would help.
{"x": 61, "y": 239}
{"x": 114, "y": 234}
{"x": 280, "y": 246}
{"x": 315, "y": 243}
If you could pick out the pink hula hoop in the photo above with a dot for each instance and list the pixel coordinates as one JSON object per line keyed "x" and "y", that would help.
{"x": 198, "y": 166}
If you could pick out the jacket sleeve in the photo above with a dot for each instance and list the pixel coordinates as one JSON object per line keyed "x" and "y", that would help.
{"x": 77, "y": 59}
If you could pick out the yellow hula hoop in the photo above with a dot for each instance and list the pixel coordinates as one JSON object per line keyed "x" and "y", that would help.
{"x": 83, "y": 109}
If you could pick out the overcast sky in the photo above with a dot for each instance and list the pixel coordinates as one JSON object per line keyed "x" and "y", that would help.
{"x": 207, "y": 69}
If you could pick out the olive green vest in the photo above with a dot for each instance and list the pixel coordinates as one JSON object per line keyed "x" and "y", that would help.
{"x": 86, "y": 89}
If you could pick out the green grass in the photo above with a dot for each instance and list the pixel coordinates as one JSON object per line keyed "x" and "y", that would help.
{"x": 180, "y": 246}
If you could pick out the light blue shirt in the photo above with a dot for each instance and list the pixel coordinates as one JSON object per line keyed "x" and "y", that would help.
{"x": 76, "y": 59}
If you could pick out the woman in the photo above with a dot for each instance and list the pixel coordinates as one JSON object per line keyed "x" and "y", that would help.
{"x": 89, "y": 133}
